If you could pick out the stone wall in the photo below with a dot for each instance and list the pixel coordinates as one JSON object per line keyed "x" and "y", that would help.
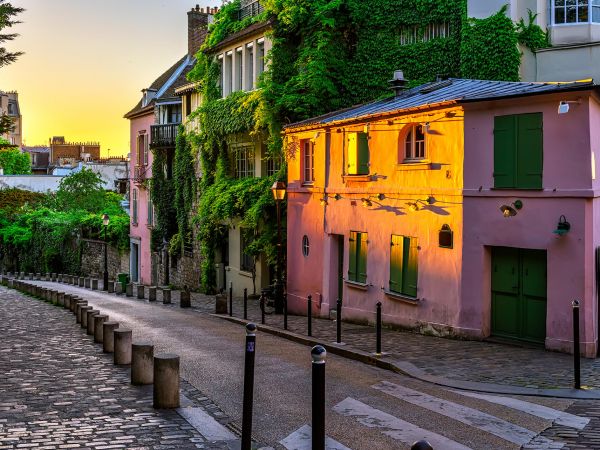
{"x": 92, "y": 259}
{"x": 184, "y": 270}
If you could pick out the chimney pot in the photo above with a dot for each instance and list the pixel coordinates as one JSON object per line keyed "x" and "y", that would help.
{"x": 398, "y": 83}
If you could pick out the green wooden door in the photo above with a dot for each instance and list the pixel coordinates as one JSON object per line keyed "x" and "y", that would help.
{"x": 519, "y": 294}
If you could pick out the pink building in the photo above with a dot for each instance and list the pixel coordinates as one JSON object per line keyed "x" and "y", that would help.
{"x": 154, "y": 123}
{"x": 441, "y": 203}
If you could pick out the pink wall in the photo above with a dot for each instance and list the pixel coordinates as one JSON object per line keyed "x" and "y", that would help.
{"x": 567, "y": 184}
{"x": 141, "y": 229}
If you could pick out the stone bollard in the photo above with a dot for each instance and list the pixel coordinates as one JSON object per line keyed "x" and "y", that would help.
{"x": 88, "y": 283}
{"x": 54, "y": 296}
{"x": 142, "y": 363}
{"x": 11, "y": 283}
{"x": 81, "y": 281}
{"x": 221, "y": 304}
{"x": 60, "y": 278}
{"x": 73, "y": 303}
{"x": 60, "y": 299}
{"x": 84, "y": 310}
{"x": 22, "y": 275}
{"x": 91, "y": 318}
{"x": 94, "y": 285}
{"x": 54, "y": 277}
{"x": 48, "y": 277}
{"x": 166, "y": 381}
{"x": 99, "y": 327}
{"x": 129, "y": 290}
{"x": 122, "y": 346}
{"x": 67, "y": 301}
{"x": 140, "y": 291}
{"x": 152, "y": 294}
{"x": 166, "y": 296}
{"x": 108, "y": 336}
{"x": 111, "y": 287}
{"x": 30, "y": 277}
{"x": 79, "y": 309}
{"x": 38, "y": 276}
{"x": 118, "y": 288}
{"x": 185, "y": 299}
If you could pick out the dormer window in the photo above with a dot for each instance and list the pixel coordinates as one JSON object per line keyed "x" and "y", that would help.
{"x": 575, "y": 11}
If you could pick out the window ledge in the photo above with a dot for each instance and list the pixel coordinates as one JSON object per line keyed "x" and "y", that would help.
{"x": 308, "y": 184}
{"x": 402, "y": 297}
{"x": 360, "y": 178}
{"x": 245, "y": 273}
{"x": 357, "y": 285}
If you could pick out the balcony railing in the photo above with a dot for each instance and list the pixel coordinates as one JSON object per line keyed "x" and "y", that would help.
{"x": 139, "y": 174}
{"x": 250, "y": 8}
{"x": 163, "y": 135}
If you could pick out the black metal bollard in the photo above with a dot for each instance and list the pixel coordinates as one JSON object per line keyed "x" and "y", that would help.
{"x": 248, "y": 387}
{"x": 230, "y": 298}
{"x": 421, "y": 445}
{"x": 378, "y": 327}
{"x": 339, "y": 321}
{"x": 262, "y": 308}
{"x": 245, "y": 303}
{"x": 285, "y": 313}
{"x": 309, "y": 315}
{"x": 576, "y": 345}
{"x": 318, "y": 354}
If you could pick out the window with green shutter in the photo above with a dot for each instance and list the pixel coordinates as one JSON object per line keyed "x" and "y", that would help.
{"x": 358, "y": 154}
{"x": 518, "y": 151}
{"x": 357, "y": 253}
{"x": 404, "y": 267}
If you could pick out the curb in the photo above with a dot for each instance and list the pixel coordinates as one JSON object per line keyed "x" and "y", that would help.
{"x": 410, "y": 370}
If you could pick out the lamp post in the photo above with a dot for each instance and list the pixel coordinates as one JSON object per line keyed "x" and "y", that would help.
{"x": 105, "y": 220}
{"x": 279, "y": 191}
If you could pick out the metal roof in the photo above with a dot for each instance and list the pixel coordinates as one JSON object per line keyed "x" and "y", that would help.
{"x": 453, "y": 90}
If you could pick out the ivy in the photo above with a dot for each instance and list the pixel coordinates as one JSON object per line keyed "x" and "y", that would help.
{"x": 185, "y": 187}
{"x": 162, "y": 191}
{"x": 531, "y": 35}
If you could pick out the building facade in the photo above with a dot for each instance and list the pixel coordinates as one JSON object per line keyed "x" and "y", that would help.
{"x": 40, "y": 158}
{"x": 9, "y": 105}
{"x": 63, "y": 152}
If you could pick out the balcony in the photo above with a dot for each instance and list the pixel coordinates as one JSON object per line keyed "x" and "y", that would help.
{"x": 163, "y": 135}
{"x": 140, "y": 174}
{"x": 250, "y": 8}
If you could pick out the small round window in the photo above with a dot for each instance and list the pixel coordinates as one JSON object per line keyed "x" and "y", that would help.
{"x": 305, "y": 246}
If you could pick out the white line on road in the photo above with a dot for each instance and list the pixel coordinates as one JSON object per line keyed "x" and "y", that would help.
{"x": 478, "y": 419}
{"x": 392, "y": 426}
{"x": 301, "y": 439}
{"x": 559, "y": 417}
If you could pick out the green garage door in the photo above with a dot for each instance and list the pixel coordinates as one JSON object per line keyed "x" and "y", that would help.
{"x": 519, "y": 294}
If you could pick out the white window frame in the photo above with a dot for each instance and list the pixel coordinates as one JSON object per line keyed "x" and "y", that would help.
{"x": 590, "y": 4}
{"x": 418, "y": 148}
{"x": 245, "y": 164}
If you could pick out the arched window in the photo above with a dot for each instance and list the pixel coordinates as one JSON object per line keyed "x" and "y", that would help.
{"x": 414, "y": 143}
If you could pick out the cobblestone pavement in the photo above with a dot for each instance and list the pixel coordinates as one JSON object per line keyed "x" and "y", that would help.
{"x": 58, "y": 390}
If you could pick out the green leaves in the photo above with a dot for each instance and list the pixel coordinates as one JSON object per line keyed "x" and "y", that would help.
{"x": 81, "y": 191}
{"x": 14, "y": 162}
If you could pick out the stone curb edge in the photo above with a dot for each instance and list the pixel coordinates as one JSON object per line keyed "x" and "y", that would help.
{"x": 409, "y": 369}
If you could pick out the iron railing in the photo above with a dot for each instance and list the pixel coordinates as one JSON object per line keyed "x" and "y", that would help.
{"x": 163, "y": 135}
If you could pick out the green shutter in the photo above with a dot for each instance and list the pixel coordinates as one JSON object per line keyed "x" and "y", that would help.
{"x": 505, "y": 150}
{"x": 363, "y": 154}
{"x": 396, "y": 255}
{"x": 362, "y": 257}
{"x": 529, "y": 151}
{"x": 411, "y": 266}
{"x": 352, "y": 257}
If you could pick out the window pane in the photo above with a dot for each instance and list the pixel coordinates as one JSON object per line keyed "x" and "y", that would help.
{"x": 408, "y": 144}
{"x": 596, "y": 13}
{"x": 559, "y": 3}
{"x": 583, "y": 13}
{"x": 559, "y": 15}
{"x": 571, "y": 15}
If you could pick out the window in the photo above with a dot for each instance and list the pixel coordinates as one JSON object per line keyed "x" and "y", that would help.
{"x": 305, "y": 245}
{"x": 358, "y": 154}
{"x": 134, "y": 206}
{"x": 228, "y": 74}
{"x": 246, "y": 260}
{"x": 174, "y": 114}
{"x": 250, "y": 66}
{"x": 261, "y": 58}
{"x": 150, "y": 213}
{"x": 188, "y": 104}
{"x": 404, "y": 266}
{"x": 142, "y": 149}
{"x": 357, "y": 264}
{"x": 414, "y": 143}
{"x": 244, "y": 166}
{"x": 415, "y": 34}
{"x": 239, "y": 69}
{"x": 273, "y": 165}
{"x": 518, "y": 151}
{"x": 575, "y": 11}
{"x": 308, "y": 161}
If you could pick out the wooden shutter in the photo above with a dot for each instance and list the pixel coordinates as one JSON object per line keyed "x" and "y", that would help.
{"x": 396, "y": 255}
{"x": 505, "y": 150}
{"x": 353, "y": 154}
{"x": 411, "y": 266}
{"x": 363, "y": 153}
{"x": 362, "y": 257}
{"x": 352, "y": 247}
{"x": 529, "y": 151}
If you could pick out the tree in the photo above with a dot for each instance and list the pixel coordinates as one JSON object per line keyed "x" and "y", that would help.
{"x": 7, "y": 14}
{"x": 13, "y": 161}
{"x": 7, "y": 124}
{"x": 81, "y": 190}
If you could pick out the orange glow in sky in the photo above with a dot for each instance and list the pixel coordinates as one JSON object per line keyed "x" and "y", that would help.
{"x": 86, "y": 62}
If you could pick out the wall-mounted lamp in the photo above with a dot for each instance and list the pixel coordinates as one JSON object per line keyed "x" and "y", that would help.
{"x": 563, "y": 106}
{"x": 511, "y": 211}
{"x": 366, "y": 202}
{"x": 381, "y": 197}
{"x": 324, "y": 201}
{"x": 563, "y": 226}
{"x": 337, "y": 197}
{"x": 413, "y": 206}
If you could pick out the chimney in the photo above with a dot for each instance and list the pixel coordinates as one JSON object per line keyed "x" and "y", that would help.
{"x": 198, "y": 20}
{"x": 398, "y": 84}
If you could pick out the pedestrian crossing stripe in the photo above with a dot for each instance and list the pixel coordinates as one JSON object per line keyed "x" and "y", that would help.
{"x": 469, "y": 416}
{"x": 544, "y": 412}
{"x": 301, "y": 439}
{"x": 393, "y": 427}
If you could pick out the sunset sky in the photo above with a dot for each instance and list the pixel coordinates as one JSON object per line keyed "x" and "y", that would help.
{"x": 86, "y": 62}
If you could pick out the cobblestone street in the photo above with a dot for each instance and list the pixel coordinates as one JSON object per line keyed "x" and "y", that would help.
{"x": 59, "y": 390}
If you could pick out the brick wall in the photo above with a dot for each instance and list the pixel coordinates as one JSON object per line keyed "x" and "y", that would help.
{"x": 197, "y": 28}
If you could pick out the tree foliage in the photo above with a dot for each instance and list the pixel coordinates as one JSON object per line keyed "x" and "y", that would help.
{"x": 81, "y": 191}
{"x": 14, "y": 162}
{"x": 8, "y": 12}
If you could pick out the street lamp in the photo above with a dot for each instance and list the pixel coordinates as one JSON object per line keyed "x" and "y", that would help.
{"x": 279, "y": 191}
{"x": 105, "y": 220}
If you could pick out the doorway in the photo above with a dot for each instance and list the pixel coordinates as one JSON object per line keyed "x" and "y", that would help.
{"x": 519, "y": 280}
{"x": 134, "y": 268}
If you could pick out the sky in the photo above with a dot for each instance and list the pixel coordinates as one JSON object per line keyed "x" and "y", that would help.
{"x": 86, "y": 62}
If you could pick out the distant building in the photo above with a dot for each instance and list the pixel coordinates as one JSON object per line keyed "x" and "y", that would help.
{"x": 9, "y": 104}
{"x": 40, "y": 158}
{"x": 70, "y": 153}
{"x": 113, "y": 172}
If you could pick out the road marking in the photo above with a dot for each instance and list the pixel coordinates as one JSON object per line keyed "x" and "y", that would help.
{"x": 392, "y": 426}
{"x": 301, "y": 439}
{"x": 477, "y": 419}
{"x": 206, "y": 425}
{"x": 559, "y": 417}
